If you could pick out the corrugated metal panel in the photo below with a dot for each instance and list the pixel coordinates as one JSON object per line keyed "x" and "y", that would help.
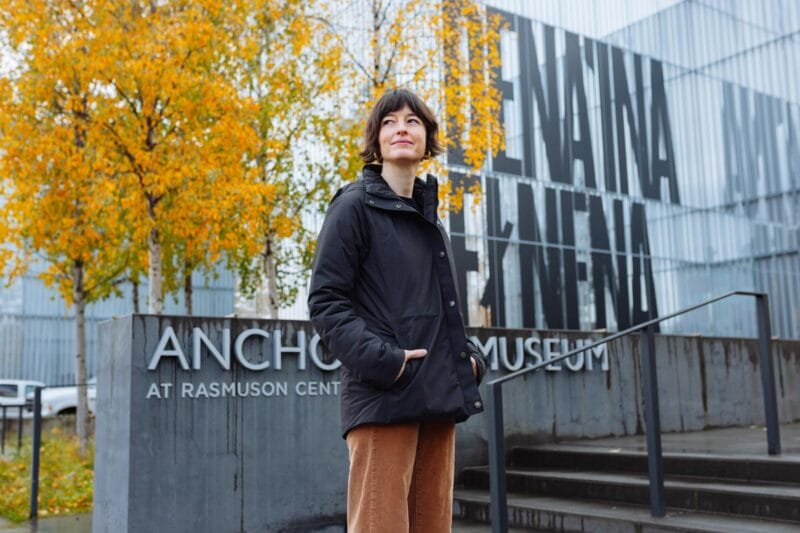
{"x": 38, "y": 343}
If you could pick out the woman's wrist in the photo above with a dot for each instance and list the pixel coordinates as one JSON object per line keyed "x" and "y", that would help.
{"x": 402, "y": 369}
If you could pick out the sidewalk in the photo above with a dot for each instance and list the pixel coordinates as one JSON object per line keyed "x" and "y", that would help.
{"x": 80, "y": 523}
{"x": 750, "y": 440}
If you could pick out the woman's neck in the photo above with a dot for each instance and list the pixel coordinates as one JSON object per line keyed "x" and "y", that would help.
{"x": 400, "y": 178}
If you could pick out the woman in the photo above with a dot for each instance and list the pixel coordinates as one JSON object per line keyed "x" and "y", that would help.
{"x": 383, "y": 299}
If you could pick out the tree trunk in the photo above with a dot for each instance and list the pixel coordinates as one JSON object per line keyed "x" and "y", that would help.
{"x": 266, "y": 297}
{"x": 375, "y": 42}
{"x": 135, "y": 287}
{"x": 260, "y": 297}
{"x": 187, "y": 289}
{"x": 272, "y": 284}
{"x": 80, "y": 358}
{"x": 155, "y": 297}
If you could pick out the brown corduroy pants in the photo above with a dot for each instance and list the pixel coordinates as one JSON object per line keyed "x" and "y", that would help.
{"x": 401, "y": 478}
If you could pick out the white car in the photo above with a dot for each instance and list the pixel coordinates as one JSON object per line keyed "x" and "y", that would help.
{"x": 64, "y": 400}
{"x": 15, "y": 392}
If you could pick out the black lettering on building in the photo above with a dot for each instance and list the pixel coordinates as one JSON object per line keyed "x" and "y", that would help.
{"x": 606, "y": 117}
{"x": 494, "y": 293}
{"x": 577, "y": 141}
{"x": 663, "y": 167}
{"x": 620, "y": 270}
{"x": 570, "y": 265}
{"x": 644, "y": 304}
{"x": 750, "y": 125}
{"x": 636, "y": 121}
{"x": 603, "y": 275}
{"x": 547, "y": 104}
{"x": 502, "y": 162}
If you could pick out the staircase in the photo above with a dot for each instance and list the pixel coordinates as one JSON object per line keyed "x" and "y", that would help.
{"x": 563, "y": 487}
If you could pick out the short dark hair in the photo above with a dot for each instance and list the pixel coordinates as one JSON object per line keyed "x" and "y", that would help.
{"x": 391, "y": 101}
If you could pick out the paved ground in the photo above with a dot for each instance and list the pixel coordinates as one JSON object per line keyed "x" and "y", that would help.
{"x": 734, "y": 441}
{"x": 81, "y": 523}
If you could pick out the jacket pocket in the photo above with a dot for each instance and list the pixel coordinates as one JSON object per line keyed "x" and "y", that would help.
{"x": 408, "y": 374}
{"x": 414, "y": 332}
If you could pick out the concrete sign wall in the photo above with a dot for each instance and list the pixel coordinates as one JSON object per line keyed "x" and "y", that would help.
{"x": 230, "y": 425}
{"x": 212, "y": 425}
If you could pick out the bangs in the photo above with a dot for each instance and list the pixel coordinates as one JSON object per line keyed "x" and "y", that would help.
{"x": 396, "y": 99}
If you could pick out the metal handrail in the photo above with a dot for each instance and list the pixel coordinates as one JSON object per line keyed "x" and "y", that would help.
{"x": 498, "y": 503}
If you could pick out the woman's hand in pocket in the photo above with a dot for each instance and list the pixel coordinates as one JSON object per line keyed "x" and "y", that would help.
{"x": 412, "y": 354}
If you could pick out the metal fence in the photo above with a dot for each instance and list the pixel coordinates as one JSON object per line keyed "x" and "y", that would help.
{"x": 12, "y": 431}
{"x": 11, "y": 416}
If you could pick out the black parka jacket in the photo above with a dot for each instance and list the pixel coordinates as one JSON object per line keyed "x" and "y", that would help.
{"x": 383, "y": 281}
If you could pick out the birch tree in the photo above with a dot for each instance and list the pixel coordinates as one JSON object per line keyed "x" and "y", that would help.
{"x": 293, "y": 76}
{"x": 448, "y": 52}
{"x": 61, "y": 190}
{"x": 177, "y": 128}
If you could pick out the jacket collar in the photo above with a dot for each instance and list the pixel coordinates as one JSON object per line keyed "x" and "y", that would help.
{"x": 379, "y": 194}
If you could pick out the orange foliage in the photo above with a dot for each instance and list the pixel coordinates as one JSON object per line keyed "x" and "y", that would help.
{"x": 448, "y": 52}
{"x": 164, "y": 134}
{"x": 169, "y": 136}
{"x": 60, "y": 185}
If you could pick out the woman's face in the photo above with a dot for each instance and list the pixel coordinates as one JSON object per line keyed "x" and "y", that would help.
{"x": 402, "y": 137}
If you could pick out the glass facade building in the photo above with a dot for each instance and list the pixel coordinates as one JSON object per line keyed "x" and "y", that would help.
{"x": 652, "y": 161}
{"x": 648, "y": 166}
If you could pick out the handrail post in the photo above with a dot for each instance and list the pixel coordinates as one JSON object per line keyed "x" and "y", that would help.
{"x": 767, "y": 374}
{"x": 3, "y": 431}
{"x": 37, "y": 441}
{"x": 498, "y": 505}
{"x": 653, "y": 421}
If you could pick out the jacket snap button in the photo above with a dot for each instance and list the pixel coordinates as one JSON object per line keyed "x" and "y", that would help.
{"x": 441, "y": 254}
{"x": 372, "y": 201}
{"x": 451, "y": 303}
{"x": 478, "y": 404}
{"x": 398, "y": 206}
{"x": 463, "y": 355}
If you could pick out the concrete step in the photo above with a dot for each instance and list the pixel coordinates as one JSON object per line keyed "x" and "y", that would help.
{"x": 461, "y": 525}
{"x": 746, "y": 468}
{"x": 781, "y": 502}
{"x": 549, "y": 513}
